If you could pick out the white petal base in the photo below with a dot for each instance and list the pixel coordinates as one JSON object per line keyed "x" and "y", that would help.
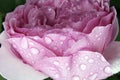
{"x": 14, "y": 69}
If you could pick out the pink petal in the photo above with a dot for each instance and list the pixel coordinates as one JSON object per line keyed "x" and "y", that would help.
{"x": 87, "y": 65}
{"x": 112, "y": 55}
{"x": 56, "y": 67}
{"x": 58, "y": 43}
{"x": 30, "y": 50}
{"x": 100, "y": 37}
{"x": 14, "y": 69}
{"x": 115, "y": 24}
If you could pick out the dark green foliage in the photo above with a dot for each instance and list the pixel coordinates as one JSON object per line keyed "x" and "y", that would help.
{"x": 114, "y": 77}
{"x": 9, "y": 5}
{"x": 116, "y": 3}
{"x": 1, "y": 78}
{"x": 48, "y": 79}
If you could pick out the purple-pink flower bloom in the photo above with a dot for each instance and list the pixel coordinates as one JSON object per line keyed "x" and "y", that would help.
{"x": 64, "y": 39}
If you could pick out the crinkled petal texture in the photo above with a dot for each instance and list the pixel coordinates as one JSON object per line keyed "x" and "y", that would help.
{"x": 64, "y": 39}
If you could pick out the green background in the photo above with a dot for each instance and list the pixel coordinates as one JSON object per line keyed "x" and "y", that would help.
{"x": 9, "y": 5}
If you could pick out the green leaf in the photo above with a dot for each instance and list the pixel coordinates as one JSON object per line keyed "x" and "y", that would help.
{"x": 7, "y": 5}
{"x": 115, "y": 3}
{"x": 18, "y": 2}
{"x": 118, "y": 37}
{"x": 5, "y": 8}
{"x": 114, "y": 77}
{"x": 1, "y": 20}
{"x": 1, "y": 78}
{"x": 48, "y": 78}
{"x": 117, "y": 6}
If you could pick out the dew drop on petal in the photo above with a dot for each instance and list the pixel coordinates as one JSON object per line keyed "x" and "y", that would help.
{"x": 62, "y": 38}
{"x": 84, "y": 79}
{"x": 34, "y": 50}
{"x": 83, "y": 67}
{"x": 93, "y": 77}
{"x": 108, "y": 70}
{"x": 86, "y": 57}
{"x": 56, "y": 63}
{"x": 90, "y": 60}
{"x": 61, "y": 42}
{"x": 68, "y": 68}
{"x": 51, "y": 68}
{"x": 36, "y": 38}
{"x": 48, "y": 40}
{"x": 31, "y": 43}
{"x": 56, "y": 75}
{"x": 24, "y": 43}
{"x": 75, "y": 78}
{"x": 91, "y": 73}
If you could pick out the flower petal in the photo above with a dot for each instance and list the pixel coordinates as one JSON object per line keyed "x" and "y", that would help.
{"x": 56, "y": 67}
{"x": 112, "y": 54}
{"x": 14, "y": 69}
{"x": 88, "y": 65}
{"x": 100, "y": 37}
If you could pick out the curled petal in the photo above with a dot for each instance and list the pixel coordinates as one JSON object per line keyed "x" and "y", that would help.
{"x": 112, "y": 54}
{"x": 100, "y": 37}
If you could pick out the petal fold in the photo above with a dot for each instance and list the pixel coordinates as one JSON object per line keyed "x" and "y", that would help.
{"x": 14, "y": 69}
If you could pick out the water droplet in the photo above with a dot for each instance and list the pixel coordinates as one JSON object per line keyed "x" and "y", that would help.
{"x": 83, "y": 67}
{"x": 98, "y": 55}
{"x": 31, "y": 43}
{"x": 24, "y": 43}
{"x": 68, "y": 68}
{"x": 108, "y": 70}
{"x": 62, "y": 38}
{"x": 75, "y": 78}
{"x": 34, "y": 51}
{"x": 49, "y": 9}
{"x": 56, "y": 63}
{"x": 86, "y": 57}
{"x": 56, "y": 75}
{"x": 61, "y": 42}
{"x": 93, "y": 77}
{"x": 90, "y": 60}
{"x": 51, "y": 68}
{"x": 74, "y": 62}
{"x": 36, "y": 37}
{"x": 91, "y": 73}
{"x": 66, "y": 64}
{"x": 48, "y": 40}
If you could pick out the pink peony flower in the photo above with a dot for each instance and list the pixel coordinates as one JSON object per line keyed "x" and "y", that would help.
{"x": 62, "y": 39}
